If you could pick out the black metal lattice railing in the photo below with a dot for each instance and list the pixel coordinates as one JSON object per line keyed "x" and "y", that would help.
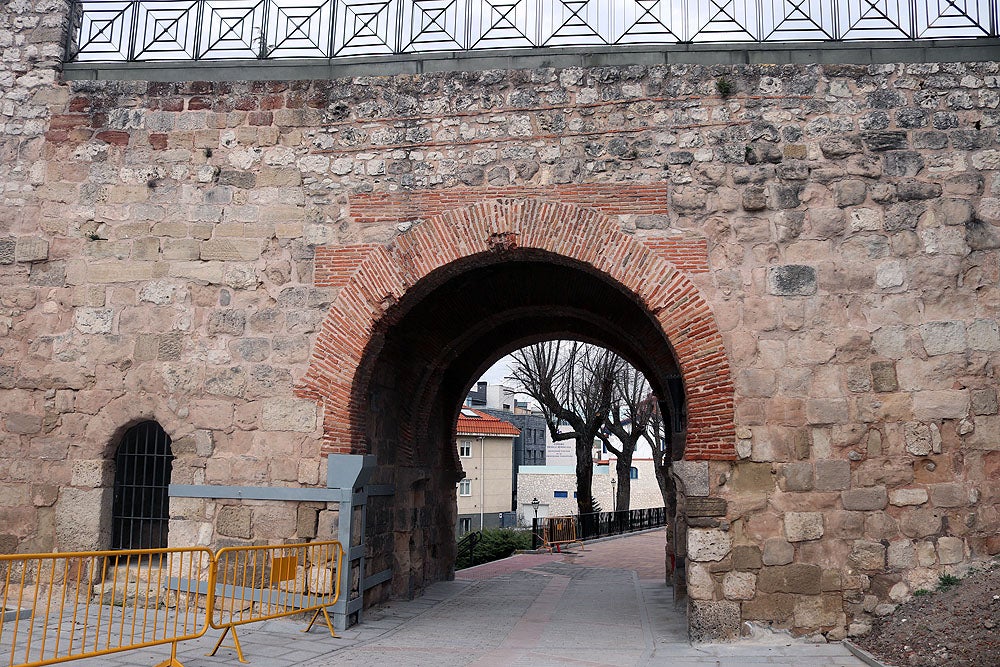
{"x": 603, "y": 524}
{"x": 179, "y": 30}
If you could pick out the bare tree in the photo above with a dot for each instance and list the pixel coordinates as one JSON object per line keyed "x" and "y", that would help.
{"x": 574, "y": 383}
{"x": 628, "y": 421}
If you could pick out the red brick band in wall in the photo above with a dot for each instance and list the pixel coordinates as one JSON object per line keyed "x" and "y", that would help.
{"x": 373, "y": 277}
{"x": 609, "y": 198}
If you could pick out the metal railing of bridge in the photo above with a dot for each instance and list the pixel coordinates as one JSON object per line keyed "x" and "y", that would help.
{"x": 194, "y": 30}
{"x": 580, "y": 527}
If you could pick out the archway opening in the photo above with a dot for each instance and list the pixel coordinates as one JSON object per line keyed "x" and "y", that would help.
{"x": 140, "y": 505}
{"x": 427, "y": 351}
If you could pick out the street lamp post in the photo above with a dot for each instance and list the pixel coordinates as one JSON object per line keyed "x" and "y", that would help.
{"x": 614, "y": 498}
{"x": 534, "y": 506}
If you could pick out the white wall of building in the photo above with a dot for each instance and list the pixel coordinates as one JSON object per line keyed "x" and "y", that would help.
{"x": 543, "y": 483}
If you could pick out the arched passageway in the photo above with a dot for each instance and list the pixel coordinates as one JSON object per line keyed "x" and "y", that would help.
{"x": 416, "y": 323}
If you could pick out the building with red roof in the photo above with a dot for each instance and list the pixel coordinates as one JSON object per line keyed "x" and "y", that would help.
{"x": 485, "y": 450}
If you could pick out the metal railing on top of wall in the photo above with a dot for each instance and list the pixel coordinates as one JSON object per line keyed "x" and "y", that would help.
{"x": 192, "y": 30}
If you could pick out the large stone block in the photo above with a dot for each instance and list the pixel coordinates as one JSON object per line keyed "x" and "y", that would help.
{"x": 803, "y": 526}
{"x": 739, "y": 585}
{"x": 22, "y": 423}
{"x": 819, "y": 611}
{"x": 83, "y": 519}
{"x": 791, "y": 280}
{"x": 874, "y": 498}
{"x": 949, "y": 494}
{"x": 778, "y": 551}
{"x": 713, "y": 621}
{"x": 708, "y": 544}
{"x": 920, "y": 439}
{"x": 234, "y": 521}
{"x": 31, "y": 249}
{"x": 950, "y": 550}
{"x": 693, "y": 475}
{"x": 867, "y": 555}
{"x": 771, "y": 607}
{"x": 901, "y": 554}
{"x": 700, "y": 583}
{"x": 984, "y": 335}
{"x": 93, "y": 473}
{"x": 752, "y": 478}
{"x": 7, "y": 251}
{"x": 920, "y": 522}
{"x": 802, "y": 578}
{"x": 94, "y": 320}
{"x": 943, "y": 337}
{"x": 229, "y": 249}
{"x": 904, "y": 497}
{"x": 747, "y": 557}
{"x": 944, "y": 404}
{"x": 832, "y": 475}
{"x": 797, "y": 476}
{"x": 289, "y": 414}
{"x": 984, "y": 401}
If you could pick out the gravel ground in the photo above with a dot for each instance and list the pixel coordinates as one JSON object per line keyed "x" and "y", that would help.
{"x": 957, "y": 626}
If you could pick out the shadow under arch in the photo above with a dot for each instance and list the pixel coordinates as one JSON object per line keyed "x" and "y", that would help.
{"x": 415, "y": 323}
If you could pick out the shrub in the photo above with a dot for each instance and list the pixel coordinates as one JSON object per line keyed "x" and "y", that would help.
{"x": 494, "y": 544}
{"x": 946, "y": 581}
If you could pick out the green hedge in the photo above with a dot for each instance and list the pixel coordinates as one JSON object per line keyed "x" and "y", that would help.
{"x": 494, "y": 544}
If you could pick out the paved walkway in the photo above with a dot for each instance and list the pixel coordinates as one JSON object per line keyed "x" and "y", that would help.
{"x": 603, "y": 606}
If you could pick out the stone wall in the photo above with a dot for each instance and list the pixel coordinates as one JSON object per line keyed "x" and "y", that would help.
{"x": 645, "y": 492}
{"x": 158, "y": 261}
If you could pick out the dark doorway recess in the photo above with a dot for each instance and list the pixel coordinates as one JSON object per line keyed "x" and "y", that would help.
{"x": 140, "y": 510}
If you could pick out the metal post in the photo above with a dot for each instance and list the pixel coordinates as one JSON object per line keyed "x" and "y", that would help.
{"x": 347, "y": 472}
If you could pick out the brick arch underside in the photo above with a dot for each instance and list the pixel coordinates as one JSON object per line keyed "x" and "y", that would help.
{"x": 495, "y": 232}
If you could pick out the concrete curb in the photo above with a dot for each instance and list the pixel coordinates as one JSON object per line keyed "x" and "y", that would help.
{"x": 862, "y": 654}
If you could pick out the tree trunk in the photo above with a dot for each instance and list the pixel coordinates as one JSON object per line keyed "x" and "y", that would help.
{"x": 584, "y": 476}
{"x": 623, "y": 496}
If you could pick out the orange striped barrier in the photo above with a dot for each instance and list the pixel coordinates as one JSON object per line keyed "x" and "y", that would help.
{"x": 265, "y": 582}
{"x": 558, "y": 531}
{"x": 66, "y": 606}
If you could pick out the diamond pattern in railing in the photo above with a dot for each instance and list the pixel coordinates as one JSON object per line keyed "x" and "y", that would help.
{"x": 134, "y": 30}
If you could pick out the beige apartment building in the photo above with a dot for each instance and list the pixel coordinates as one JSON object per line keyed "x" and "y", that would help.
{"x": 485, "y": 451}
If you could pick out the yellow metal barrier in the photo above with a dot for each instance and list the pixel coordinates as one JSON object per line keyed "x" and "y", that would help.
{"x": 264, "y": 582}
{"x": 65, "y": 606}
{"x": 558, "y": 531}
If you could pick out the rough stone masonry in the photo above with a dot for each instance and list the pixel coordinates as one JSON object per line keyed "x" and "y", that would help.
{"x": 158, "y": 247}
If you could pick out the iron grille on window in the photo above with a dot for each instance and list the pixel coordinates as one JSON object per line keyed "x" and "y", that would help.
{"x": 140, "y": 510}
{"x": 133, "y": 30}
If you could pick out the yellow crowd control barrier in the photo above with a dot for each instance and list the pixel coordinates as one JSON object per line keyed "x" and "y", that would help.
{"x": 558, "y": 531}
{"x": 264, "y": 582}
{"x": 65, "y": 606}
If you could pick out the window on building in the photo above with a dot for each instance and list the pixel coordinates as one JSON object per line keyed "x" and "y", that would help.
{"x": 464, "y": 525}
{"x": 561, "y": 494}
{"x": 465, "y": 487}
{"x": 140, "y": 509}
{"x": 633, "y": 473}
{"x": 465, "y": 449}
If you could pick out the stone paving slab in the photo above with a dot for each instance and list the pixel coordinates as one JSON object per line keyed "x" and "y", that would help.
{"x": 587, "y": 609}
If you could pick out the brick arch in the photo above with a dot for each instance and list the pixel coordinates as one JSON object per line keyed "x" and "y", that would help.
{"x": 381, "y": 276}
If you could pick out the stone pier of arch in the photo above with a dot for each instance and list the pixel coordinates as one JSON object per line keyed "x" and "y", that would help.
{"x": 278, "y": 271}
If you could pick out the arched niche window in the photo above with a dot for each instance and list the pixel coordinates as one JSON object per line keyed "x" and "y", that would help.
{"x": 140, "y": 510}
